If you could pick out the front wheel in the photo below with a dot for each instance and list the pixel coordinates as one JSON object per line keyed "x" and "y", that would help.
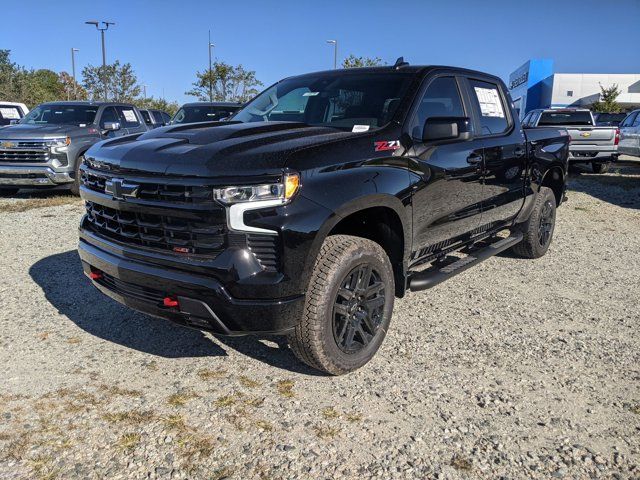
{"x": 348, "y": 306}
{"x": 75, "y": 186}
{"x": 538, "y": 229}
{"x": 600, "y": 167}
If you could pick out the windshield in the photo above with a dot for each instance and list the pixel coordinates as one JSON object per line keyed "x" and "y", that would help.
{"x": 61, "y": 115}
{"x": 349, "y": 101}
{"x": 566, "y": 118}
{"x": 203, "y": 113}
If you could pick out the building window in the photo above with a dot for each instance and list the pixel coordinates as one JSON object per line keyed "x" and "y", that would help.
{"x": 569, "y": 93}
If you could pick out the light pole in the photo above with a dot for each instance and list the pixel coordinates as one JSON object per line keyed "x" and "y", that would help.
{"x": 335, "y": 52}
{"x": 211, "y": 45}
{"x": 73, "y": 71}
{"x": 144, "y": 90}
{"x": 103, "y": 28}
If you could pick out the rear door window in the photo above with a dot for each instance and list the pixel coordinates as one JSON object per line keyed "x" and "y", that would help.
{"x": 146, "y": 117}
{"x": 8, "y": 113}
{"x": 128, "y": 117}
{"x": 490, "y": 106}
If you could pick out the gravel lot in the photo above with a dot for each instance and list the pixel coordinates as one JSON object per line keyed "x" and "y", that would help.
{"x": 517, "y": 368}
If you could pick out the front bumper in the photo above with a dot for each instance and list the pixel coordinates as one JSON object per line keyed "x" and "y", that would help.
{"x": 24, "y": 176}
{"x": 204, "y": 302}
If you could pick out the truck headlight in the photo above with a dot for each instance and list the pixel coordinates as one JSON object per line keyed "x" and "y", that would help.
{"x": 272, "y": 192}
{"x": 59, "y": 145}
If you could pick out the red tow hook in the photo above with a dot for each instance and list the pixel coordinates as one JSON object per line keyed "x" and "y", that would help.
{"x": 170, "y": 302}
{"x": 95, "y": 275}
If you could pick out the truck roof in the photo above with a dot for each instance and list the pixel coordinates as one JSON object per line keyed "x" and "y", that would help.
{"x": 86, "y": 102}
{"x": 212, "y": 104}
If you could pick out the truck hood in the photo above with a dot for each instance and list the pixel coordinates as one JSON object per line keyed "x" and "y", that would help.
{"x": 28, "y": 132}
{"x": 214, "y": 149}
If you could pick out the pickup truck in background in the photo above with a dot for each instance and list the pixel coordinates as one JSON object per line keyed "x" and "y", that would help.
{"x": 597, "y": 146}
{"x": 11, "y": 112}
{"x": 204, "y": 112}
{"x": 322, "y": 200}
{"x": 46, "y": 147}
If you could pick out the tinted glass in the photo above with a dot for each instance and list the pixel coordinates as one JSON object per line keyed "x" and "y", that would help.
{"x": 109, "y": 115}
{"x": 166, "y": 117}
{"x": 61, "y": 115}
{"x": 493, "y": 117}
{"x": 8, "y": 113}
{"x": 527, "y": 118}
{"x": 627, "y": 122}
{"x": 128, "y": 117}
{"x": 610, "y": 118}
{"x": 340, "y": 100}
{"x": 565, "y": 118}
{"x": 146, "y": 117}
{"x": 202, "y": 113}
{"x": 441, "y": 99}
{"x": 636, "y": 122}
{"x": 157, "y": 117}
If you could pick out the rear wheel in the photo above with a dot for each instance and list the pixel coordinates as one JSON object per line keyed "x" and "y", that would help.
{"x": 600, "y": 167}
{"x": 538, "y": 230}
{"x": 348, "y": 306}
{"x": 7, "y": 192}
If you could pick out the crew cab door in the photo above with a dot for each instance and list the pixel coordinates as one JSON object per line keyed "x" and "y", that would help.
{"x": 503, "y": 150}
{"x": 109, "y": 115}
{"x": 447, "y": 179}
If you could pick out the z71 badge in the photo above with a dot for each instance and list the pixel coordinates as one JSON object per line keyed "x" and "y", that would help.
{"x": 387, "y": 145}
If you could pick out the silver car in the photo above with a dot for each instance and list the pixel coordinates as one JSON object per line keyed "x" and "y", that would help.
{"x": 630, "y": 135}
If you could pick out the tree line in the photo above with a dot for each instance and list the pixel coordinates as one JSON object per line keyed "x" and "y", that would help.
{"x": 118, "y": 82}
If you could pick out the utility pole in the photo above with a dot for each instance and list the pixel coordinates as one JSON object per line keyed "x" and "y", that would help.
{"x": 102, "y": 29}
{"x": 211, "y": 45}
{"x": 144, "y": 89}
{"x": 335, "y": 52}
{"x": 73, "y": 70}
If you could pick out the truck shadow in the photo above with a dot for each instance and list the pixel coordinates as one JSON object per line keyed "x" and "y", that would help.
{"x": 61, "y": 278}
{"x": 620, "y": 186}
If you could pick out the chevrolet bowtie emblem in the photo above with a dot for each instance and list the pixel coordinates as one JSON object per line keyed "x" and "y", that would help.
{"x": 120, "y": 189}
{"x": 585, "y": 134}
{"x": 7, "y": 144}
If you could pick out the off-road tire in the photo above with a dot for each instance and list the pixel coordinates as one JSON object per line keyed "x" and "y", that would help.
{"x": 531, "y": 245}
{"x": 7, "y": 192}
{"x": 313, "y": 340}
{"x": 600, "y": 167}
{"x": 75, "y": 186}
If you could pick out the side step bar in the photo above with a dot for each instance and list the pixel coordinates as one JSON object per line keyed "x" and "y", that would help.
{"x": 432, "y": 277}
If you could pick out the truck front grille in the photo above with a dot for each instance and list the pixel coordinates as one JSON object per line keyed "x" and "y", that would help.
{"x": 20, "y": 155}
{"x": 173, "y": 234}
{"x": 184, "y": 194}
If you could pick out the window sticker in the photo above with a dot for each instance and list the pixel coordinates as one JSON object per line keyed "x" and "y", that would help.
{"x": 310, "y": 94}
{"x": 490, "y": 104}
{"x": 129, "y": 116}
{"x": 10, "y": 113}
{"x": 360, "y": 128}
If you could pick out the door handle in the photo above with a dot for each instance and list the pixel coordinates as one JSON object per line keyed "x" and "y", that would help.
{"x": 474, "y": 159}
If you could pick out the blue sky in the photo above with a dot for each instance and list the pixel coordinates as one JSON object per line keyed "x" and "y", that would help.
{"x": 166, "y": 41}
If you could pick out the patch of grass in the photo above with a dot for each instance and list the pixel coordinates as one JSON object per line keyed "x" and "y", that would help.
{"x": 123, "y": 392}
{"x": 131, "y": 417}
{"x": 174, "y": 422}
{"x": 17, "y": 448}
{"x": 635, "y": 409}
{"x": 581, "y": 209}
{"x": 326, "y": 432}
{"x": 254, "y": 402}
{"x": 74, "y": 340}
{"x": 225, "y": 401}
{"x": 129, "y": 441}
{"x": 353, "y": 417}
{"x": 31, "y": 203}
{"x": 43, "y": 335}
{"x": 206, "y": 374}
{"x": 248, "y": 382}
{"x": 330, "y": 412}
{"x": 222, "y": 473}
{"x": 152, "y": 365}
{"x": 43, "y": 468}
{"x": 264, "y": 425}
{"x": 194, "y": 445}
{"x": 285, "y": 388}
{"x": 181, "y": 398}
{"x": 462, "y": 464}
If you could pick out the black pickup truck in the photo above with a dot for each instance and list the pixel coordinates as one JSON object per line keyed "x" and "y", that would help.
{"x": 318, "y": 203}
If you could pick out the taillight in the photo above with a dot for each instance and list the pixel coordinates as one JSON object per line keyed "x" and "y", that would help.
{"x": 617, "y": 139}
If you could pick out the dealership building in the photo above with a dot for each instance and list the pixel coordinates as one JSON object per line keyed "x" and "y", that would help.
{"x": 535, "y": 85}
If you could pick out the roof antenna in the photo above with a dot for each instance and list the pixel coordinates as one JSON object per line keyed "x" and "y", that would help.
{"x": 400, "y": 63}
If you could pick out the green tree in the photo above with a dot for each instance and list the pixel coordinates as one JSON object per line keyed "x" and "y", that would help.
{"x": 356, "y": 62}
{"x": 39, "y": 86}
{"x": 72, "y": 89}
{"x": 607, "y": 102}
{"x": 229, "y": 83}
{"x": 158, "y": 104}
{"x": 120, "y": 81}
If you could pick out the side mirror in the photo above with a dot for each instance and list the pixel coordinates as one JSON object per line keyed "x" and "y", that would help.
{"x": 111, "y": 126}
{"x": 14, "y": 122}
{"x": 447, "y": 128}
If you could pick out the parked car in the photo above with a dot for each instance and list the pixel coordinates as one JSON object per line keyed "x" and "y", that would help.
{"x": 630, "y": 134}
{"x": 329, "y": 195}
{"x": 11, "y": 112}
{"x": 205, "y": 112}
{"x": 608, "y": 119}
{"x": 589, "y": 143}
{"x": 155, "y": 118}
{"x": 46, "y": 147}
